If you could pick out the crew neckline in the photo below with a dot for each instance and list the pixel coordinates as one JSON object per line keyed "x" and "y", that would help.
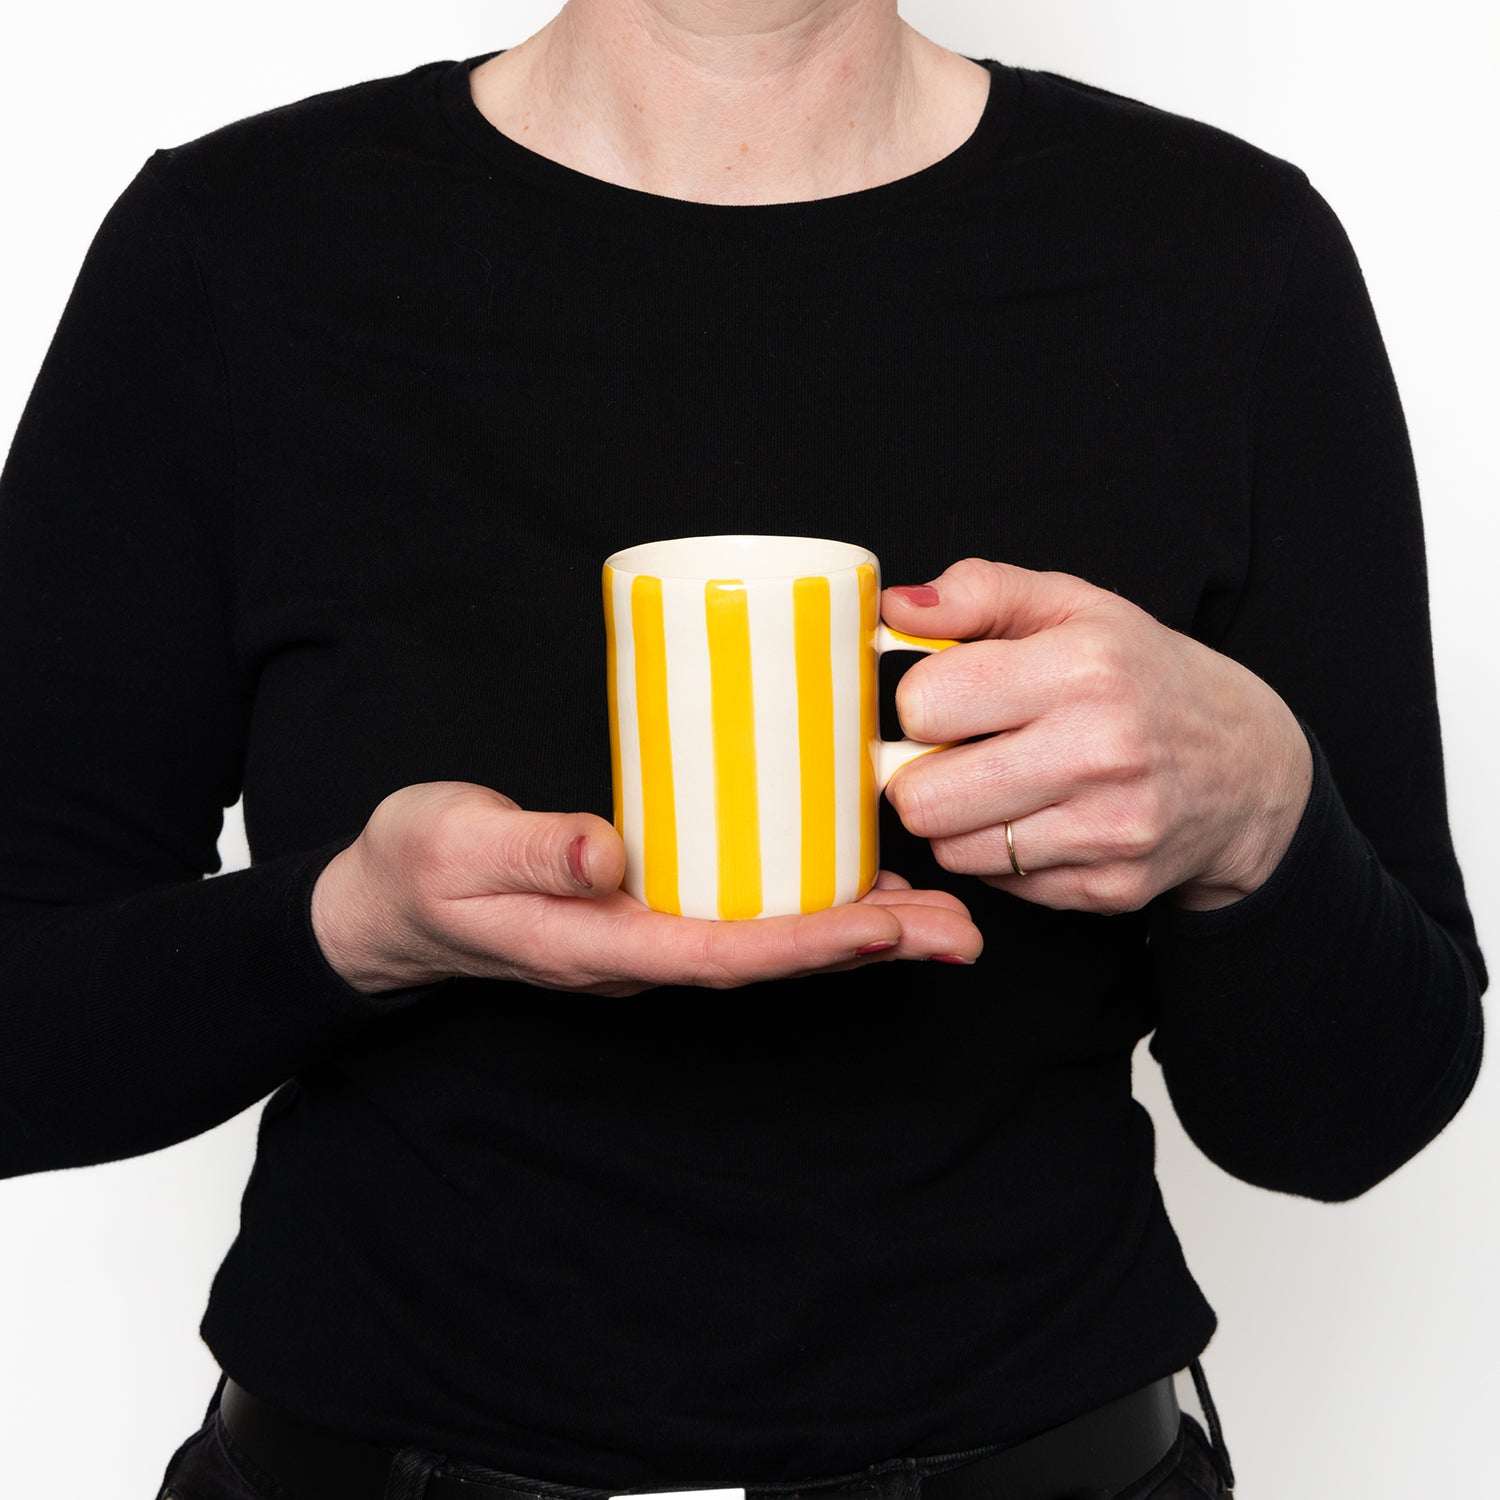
{"x": 500, "y": 150}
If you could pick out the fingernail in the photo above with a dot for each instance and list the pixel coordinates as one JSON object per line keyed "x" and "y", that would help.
{"x": 918, "y": 593}
{"x": 948, "y": 958}
{"x": 874, "y": 948}
{"x": 578, "y": 861}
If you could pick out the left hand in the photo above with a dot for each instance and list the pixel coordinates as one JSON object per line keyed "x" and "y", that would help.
{"x": 1129, "y": 758}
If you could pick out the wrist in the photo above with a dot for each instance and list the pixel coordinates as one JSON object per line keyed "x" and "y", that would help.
{"x": 1265, "y": 828}
{"x": 358, "y": 931}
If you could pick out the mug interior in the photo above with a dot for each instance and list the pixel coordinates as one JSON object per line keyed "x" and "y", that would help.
{"x": 745, "y": 557}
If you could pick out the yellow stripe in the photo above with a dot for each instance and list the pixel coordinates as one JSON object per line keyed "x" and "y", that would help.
{"x": 811, "y": 611}
{"x": 736, "y": 790}
{"x": 869, "y": 727}
{"x": 612, "y": 691}
{"x": 922, "y": 642}
{"x": 658, "y": 800}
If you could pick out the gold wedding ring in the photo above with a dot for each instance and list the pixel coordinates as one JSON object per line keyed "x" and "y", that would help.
{"x": 1010, "y": 849}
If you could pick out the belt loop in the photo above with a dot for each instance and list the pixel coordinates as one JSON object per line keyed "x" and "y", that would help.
{"x": 1215, "y": 1432}
{"x": 904, "y": 1483}
{"x": 411, "y": 1468}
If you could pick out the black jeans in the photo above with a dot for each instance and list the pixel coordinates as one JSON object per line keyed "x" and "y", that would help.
{"x": 208, "y": 1466}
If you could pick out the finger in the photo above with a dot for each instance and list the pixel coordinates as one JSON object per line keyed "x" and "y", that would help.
{"x": 666, "y": 949}
{"x": 971, "y": 787}
{"x": 1047, "y": 839}
{"x": 909, "y": 897}
{"x": 975, "y": 599}
{"x": 889, "y": 880}
{"x": 987, "y": 687}
{"x": 663, "y": 949}
{"x": 934, "y": 929}
{"x": 1105, "y": 890}
{"x": 508, "y": 851}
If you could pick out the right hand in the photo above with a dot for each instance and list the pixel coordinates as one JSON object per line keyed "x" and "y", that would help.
{"x": 449, "y": 880}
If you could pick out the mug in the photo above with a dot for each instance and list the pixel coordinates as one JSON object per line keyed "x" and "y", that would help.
{"x": 745, "y": 750}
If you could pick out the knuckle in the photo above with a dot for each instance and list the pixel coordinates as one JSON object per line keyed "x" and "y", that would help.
{"x": 711, "y": 964}
{"x": 1098, "y": 667}
{"x": 914, "y": 704}
{"x": 442, "y": 835}
{"x": 719, "y": 978}
{"x": 1135, "y": 839}
{"x": 714, "y": 977}
{"x": 954, "y": 855}
{"x": 1097, "y": 761}
{"x": 802, "y": 940}
{"x": 916, "y": 801}
{"x": 1129, "y": 832}
{"x": 977, "y": 573}
{"x": 1115, "y": 752}
{"x": 1114, "y": 891}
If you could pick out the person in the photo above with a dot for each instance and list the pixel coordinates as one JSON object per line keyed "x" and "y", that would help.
{"x": 556, "y": 1195}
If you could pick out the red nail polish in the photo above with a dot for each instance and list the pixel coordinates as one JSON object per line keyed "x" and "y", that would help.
{"x": 578, "y": 861}
{"x": 874, "y": 948}
{"x": 948, "y": 958}
{"x": 922, "y": 594}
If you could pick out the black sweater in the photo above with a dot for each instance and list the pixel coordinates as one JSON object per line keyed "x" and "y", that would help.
{"x": 348, "y": 405}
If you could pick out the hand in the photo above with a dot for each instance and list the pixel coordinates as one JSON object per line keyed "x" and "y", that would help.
{"x": 450, "y": 879}
{"x": 1129, "y": 759}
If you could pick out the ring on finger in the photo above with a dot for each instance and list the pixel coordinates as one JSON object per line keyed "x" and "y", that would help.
{"x": 1010, "y": 849}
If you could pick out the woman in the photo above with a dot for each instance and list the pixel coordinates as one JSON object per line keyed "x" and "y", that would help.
{"x": 349, "y": 390}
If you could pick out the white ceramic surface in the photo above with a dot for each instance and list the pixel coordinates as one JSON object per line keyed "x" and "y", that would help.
{"x": 744, "y": 721}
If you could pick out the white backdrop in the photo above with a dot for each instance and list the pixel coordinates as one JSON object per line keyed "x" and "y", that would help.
{"x": 1356, "y": 1342}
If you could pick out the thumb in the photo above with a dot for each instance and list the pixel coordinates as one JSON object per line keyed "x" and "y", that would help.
{"x": 978, "y": 600}
{"x": 554, "y": 854}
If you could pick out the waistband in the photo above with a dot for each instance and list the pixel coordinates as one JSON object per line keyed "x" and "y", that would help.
{"x": 1093, "y": 1457}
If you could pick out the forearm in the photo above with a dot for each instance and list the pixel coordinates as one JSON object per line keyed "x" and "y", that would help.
{"x": 142, "y": 1021}
{"x": 1317, "y": 1034}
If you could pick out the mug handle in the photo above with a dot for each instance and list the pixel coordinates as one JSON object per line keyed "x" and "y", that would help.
{"x": 891, "y": 755}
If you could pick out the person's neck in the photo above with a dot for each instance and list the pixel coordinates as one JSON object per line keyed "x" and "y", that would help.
{"x": 769, "y": 101}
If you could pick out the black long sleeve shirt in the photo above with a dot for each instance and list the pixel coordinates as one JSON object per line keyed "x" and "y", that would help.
{"x": 349, "y": 403}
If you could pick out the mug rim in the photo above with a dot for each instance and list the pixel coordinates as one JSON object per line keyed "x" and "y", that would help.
{"x": 635, "y": 560}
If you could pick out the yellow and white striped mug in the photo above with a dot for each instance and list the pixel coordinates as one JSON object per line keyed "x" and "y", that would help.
{"x": 744, "y": 721}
